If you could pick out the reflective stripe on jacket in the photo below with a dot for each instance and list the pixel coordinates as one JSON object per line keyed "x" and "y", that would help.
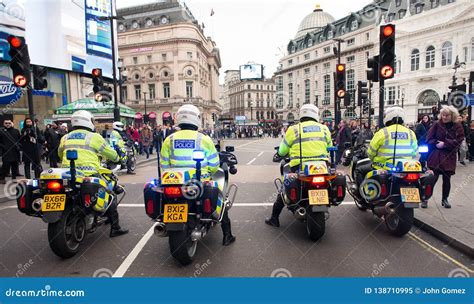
{"x": 315, "y": 139}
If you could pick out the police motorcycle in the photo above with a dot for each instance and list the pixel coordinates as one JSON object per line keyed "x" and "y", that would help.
{"x": 128, "y": 154}
{"x": 72, "y": 204}
{"x": 185, "y": 207}
{"x": 390, "y": 194}
{"x": 310, "y": 192}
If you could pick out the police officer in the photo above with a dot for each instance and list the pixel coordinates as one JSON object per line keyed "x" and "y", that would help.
{"x": 89, "y": 145}
{"x": 116, "y": 138}
{"x": 314, "y": 137}
{"x": 178, "y": 148}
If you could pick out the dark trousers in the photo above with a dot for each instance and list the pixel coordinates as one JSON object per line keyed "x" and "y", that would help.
{"x": 53, "y": 158}
{"x": 6, "y": 169}
{"x": 471, "y": 151}
{"x": 36, "y": 166}
{"x": 446, "y": 182}
{"x": 113, "y": 216}
{"x": 225, "y": 224}
{"x": 278, "y": 205}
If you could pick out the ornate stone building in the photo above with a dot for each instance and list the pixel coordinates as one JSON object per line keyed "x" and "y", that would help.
{"x": 168, "y": 59}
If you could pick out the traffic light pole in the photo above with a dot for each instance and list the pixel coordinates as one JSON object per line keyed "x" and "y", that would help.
{"x": 29, "y": 95}
{"x": 337, "y": 101}
{"x": 469, "y": 109}
{"x": 381, "y": 101}
{"x": 114, "y": 72}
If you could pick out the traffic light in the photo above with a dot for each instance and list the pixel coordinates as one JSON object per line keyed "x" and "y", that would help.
{"x": 340, "y": 80}
{"x": 365, "y": 108}
{"x": 387, "y": 51}
{"x": 97, "y": 80}
{"x": 347, "y": 100}
{"x": 362, "y": 92}
{"x": 373, "y": 69}
{"x": 20, "y": 61}
{"x": 39, "y": 80}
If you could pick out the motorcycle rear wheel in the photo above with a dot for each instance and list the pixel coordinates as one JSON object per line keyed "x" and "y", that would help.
{"x": 132, "y": 163}
{"x": 182, "y": 247}
{"x": 400, "y": 222}
{"x": 66, "y": 235}
{"x": 315, "y": 224}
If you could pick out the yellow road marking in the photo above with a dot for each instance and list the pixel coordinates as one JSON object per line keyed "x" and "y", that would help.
{"x": 451, "y": 259}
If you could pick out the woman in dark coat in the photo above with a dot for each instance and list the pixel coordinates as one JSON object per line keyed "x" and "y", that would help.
{"x": 445, "y": 138}
{"x": 30, "y": 141}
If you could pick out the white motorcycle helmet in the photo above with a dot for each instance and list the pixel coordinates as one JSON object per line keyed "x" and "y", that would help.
{"x": 310, "y": 111}
{"x": 83, "y": 118}
{"x": 118, "y": 126}
{"x": 392, "y": 113}
{"x": 189, "y": 114}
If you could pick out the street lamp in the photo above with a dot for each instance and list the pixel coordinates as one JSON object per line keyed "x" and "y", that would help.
{"x": 121, "y": 80}
{"x": 114, "y": 72}
{"x": 145, "y": 117}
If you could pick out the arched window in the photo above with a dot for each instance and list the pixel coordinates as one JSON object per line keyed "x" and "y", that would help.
{"x": 429, "y": 98}
{"x": 430, "y": 57}
{"x": 447, "y": 54}
{"x": 415, "y": 60}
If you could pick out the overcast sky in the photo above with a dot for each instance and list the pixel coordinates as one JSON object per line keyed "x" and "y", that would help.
{"x": 256, "y": 30}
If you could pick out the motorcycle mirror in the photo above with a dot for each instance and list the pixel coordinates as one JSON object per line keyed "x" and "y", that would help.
{"x": 71, "y": 155}
{"x": 276, "y": 148}
{"x": 229, "y": 149}
{"x": 233, "y": 170}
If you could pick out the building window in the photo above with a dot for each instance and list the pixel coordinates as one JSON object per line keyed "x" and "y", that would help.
{"x": 472, "y": 49}
{"x": 290, "y": 95}
{"x": 327, "y": 65}
{"x": 351, "y": 84}
{"x": 398, "y": 66}
{"x": 451, "y": 1}
{"x": 124, "y": 94}
{"x": 138, "y": 92}
{"x": 327, "y": 89}
{"x": 290, "y": 62}
{"x": 430, "y": 57}
{"x": 351, "y": 41}
{"x": 354, "y": 25}
{"x": 315, "y": 54}
{"x": 135, "y": 60}
{"x": 391, "y": 95}
{"x": 189, "y": 89}
{"x": 327, "y": 49}
{"x": 249, "y": 95}
{"x": 190, "y": 55}
{"x": 367, "y": 36}
{"x": 166, "y": 90}
{"x": 447, "y": 54}
{"x": 434, "y": 3}
{"x": 418, "y": 9}
{"x": 290, "y": 75}
{"x": 307, "y": 71}
{"x": 249, "y": 87}
{"x": 391, "y": 16}
{"x": 306, "y": 56}
{"x": 401, "y": 14}
{"x": 307, "y": 91}
{"x": 316, "y": 69}
{"x": 330, "y": 35}
{"x": 415, "y": 60}
{"x": 350, "y": 59}
{"x": 398, "y": 3}
{"x": 163, "y": 56}
{"x": 151, "y": 90}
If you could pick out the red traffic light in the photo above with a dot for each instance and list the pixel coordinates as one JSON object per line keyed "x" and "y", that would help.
{"x": 388, "y": 30}
{"x": 387, "y": 71}
{"x": 97, "y": 72}
{"x": 341, "y": 93}
{"x": 14, "y": 41}
{"x": 20, "y": 80}
{"x": 341, "y": 67}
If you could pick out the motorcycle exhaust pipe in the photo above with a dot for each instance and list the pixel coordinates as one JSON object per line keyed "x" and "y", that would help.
{"x": 160, "y": 230}
{"x": 300, "y": 214}
{"x": 390, "y": 208}
{"x": 197, "y": 235}
{"x": 37, "y": 204}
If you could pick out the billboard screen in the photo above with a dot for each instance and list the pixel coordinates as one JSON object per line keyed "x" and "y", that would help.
{"x": 62, "y": 34}
{"x": 251, "y": 71}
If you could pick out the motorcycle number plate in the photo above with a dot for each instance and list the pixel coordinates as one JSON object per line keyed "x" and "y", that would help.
{"x": 176, "y": 213}
{"x": 410, "y": 195}
{"x": 54, "y": 202}
{"x": 318, "y": 197}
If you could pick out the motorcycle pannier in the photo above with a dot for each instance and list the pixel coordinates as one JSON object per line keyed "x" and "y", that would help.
{"x": 153, "y": 200}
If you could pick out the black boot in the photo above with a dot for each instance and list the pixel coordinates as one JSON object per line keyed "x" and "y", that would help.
{"x": 227, "y": 230}
{"x": 117, "y": 231}
{"x": 445, "y": 203}
{"x": 112, "y": 214}
{"x": 277, "y": 208}
{"x": 424, "y": 204}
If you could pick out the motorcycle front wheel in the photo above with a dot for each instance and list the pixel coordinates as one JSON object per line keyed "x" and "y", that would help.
{"x": 400, "y": 222}
{"x": 66, "y": 235}
{"x": 132, "y": 163}
{"x": 182, "y": 247}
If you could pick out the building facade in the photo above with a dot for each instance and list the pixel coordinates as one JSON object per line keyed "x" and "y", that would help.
{"x": 429, "y": 36}
{"x": 252, "y": 101}
{"x": 169, "y": 61}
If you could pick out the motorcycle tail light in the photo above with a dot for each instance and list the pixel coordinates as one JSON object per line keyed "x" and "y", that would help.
{"x": 293, "y": 195}
{"x": 54, "y": 186}
{"x": 173, "y": 192}
{"x": 383, "y": 190}
{"x": 87, "y": 200}
{"x": 22, "y": 202}
{"x": 340, "y": 193}
{"x": 318, "y": 180}
{"x": 207, "y": 206}
{"x": 412, "y": 177}
{"x": 150, "y": 207}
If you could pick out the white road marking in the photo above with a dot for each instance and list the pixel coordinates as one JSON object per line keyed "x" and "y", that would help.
{"x": 250, "y": 162}
{"x": 249, "y": 143}
{"x": 120, "y": 272}
{"x": 8, "y": 207}
{"x": 260, "y": 154}
{"x": 234, "y": 205}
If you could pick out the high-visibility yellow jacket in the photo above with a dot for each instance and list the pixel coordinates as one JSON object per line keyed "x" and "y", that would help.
{"x": 177, "y": 152}
{"x": 382, "y": 146}
{"x": 89, "y": 146}
{"x": 315, "y": 139}
{"x": 116, "y": 138}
